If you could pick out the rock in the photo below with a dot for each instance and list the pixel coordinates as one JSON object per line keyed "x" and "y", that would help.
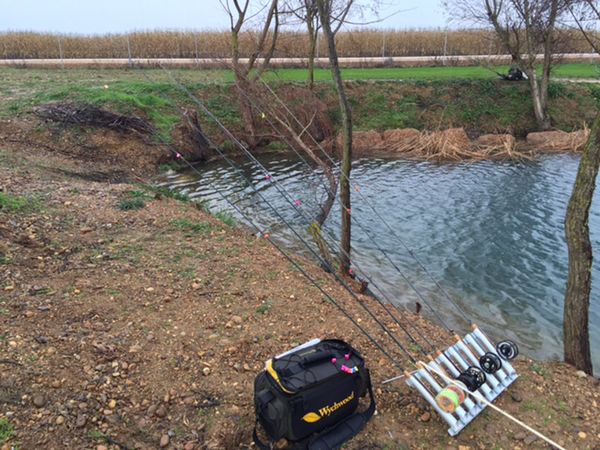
{"x": 206, "y": 371}
{"x": 151, "y": 410}
{"x": 191, "y": 445}
{"x": 112, "y": 404}
{"x": 452, "y": 139}
{"x": 464, "y": 447}
{"x": 520, "y": 436}
{"x": 530, "y": 439}
{"x": 80, "y": 421}
{"x": 364, "y": 143}
{"x": 164, "y": 440}
{"x": 101, "y": 447}
{"x": 161, "y": 411}
{"x": 516, "y": 396}
{"x": 60, "y": 420}
{"x": 425, "y": 417}
{"x": 135, "y": 349}
{"x": 557, "y": 141}
{"x": 582, "y": 435}
{"x": 39, "y": 400}
{"x": 237, "y": 319}
{"x": 401, "y": 139}
{"x": 581, "y": 374}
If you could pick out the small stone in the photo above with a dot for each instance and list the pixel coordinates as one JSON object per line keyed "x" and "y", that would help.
{"x": 188, "y": 400}
{"x": 247, "y": 367}
{"x": 135, "y": 349}
{"x": 530, "y": 439}
{"x": 164, "y": 440}
{"x": 237, "y": 319}
{"x": 582, "y": 435}
{"x": 161, "y": 411}
{"x": 425, "y": 417}
{"x": 39, "y": 400}
{"x": 464, "y": 447}
{"x": 191, "y": 445}
{"x": 12, "y": 344}
{"x": 151, "y": 410}
{"x": 150, "y": 289}
{"x": 29, "y": 314}
{"x": 516, "y": 396}
{"x": 112, "y": 404}
{"x": 102, "y": 447}
{"x": 206, "y": 371}
{"x": 520, "y": 436}
{"x": 80, "y": 421}
{"x": 581, "y": 374}
{"x": 60, "y": 420}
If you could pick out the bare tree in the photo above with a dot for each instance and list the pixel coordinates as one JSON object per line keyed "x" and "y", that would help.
{"x": 259, "y": 59}
{"x": 328, "y": 21}
{"x": 579, "y": 282}
{"x": 525, "y": 28}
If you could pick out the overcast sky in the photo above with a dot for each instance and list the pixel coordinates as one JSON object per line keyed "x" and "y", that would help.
{"x": 114, "y": 16}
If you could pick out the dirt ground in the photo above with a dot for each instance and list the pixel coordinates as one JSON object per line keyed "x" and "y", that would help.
{"x": 144, "y": 328}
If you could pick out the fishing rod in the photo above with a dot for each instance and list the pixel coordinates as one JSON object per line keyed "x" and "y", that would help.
{"x": 284, "y": 221}
{"x": 489, "y": 362}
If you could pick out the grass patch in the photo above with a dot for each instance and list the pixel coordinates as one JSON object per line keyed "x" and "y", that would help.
{"x": 6, "y": 431}
{"x": 169, "y": 193}
{"x": 264, "y": 307}
{"x": 129, "y": 204}
{"x": 226, "y": 217}
{"x": 12, "y": 203}
{"x": 188, "y": 225}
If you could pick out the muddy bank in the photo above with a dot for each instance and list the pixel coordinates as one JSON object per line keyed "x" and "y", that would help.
{"x": 131, "y": 320}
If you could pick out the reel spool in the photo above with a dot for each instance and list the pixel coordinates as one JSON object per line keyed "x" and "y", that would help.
{"x": 450, "y": 398}
{"x": 507, "y": 350}
{"x": 490, "y": 363}
{"x": 473, "y": 378}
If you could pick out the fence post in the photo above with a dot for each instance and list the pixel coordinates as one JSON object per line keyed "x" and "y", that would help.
{"x": 60, "y": 53}
{"x": 196, "y": 49}
{"x": 129, "y": 52}
{"x": 383, "y": 48}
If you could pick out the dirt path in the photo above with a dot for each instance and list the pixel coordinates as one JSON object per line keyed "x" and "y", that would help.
{"x": 132, "y": 320}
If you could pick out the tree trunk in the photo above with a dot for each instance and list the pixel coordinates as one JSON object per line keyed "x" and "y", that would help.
{"x": 346, "y": 113}
{"x": 579, "y": 282}
{"x": 311, "y": 58}
{"x": 539, "y": 95}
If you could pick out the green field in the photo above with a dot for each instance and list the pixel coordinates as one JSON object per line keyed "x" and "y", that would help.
{"x": 424, "y": 98}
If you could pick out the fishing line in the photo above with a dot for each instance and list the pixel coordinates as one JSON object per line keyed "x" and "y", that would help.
{"x": 277, "y": 213}
{"x": 355, "y": 263}
{"x": 401, "y": 241}
{"x": 250, "y": 184}
{"x": 362, "y": 228}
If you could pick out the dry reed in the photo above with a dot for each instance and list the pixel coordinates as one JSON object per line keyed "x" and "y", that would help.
{"x": 208, "y": 44}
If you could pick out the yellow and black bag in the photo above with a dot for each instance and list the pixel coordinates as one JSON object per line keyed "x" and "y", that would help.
{"x": 310, "y": 395}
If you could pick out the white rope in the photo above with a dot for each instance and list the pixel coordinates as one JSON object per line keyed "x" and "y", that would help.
{"x": 491, "y": 405}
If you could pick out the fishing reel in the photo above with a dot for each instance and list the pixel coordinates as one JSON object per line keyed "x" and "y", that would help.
{"x": 490, "y": 363}
{"x": 507, "y": 350}
{"x": 473, "y": 378}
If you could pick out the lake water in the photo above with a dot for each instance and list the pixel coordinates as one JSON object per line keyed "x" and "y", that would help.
{"x": 491, "y": 233}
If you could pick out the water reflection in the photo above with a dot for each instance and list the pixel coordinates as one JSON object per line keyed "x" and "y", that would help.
{"x": 490, "y": 232}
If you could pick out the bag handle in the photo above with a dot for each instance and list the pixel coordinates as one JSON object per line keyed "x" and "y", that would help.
{"x": 342, "y": 432}
{"x": 348, "y": 428}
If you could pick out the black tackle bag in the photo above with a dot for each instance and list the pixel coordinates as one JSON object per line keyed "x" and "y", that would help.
{"x": 310, "y": 395}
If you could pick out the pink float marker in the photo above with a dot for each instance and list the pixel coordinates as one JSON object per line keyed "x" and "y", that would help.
{"x": 177, "y": 155}
{"x": 333, "y": 360}
{"x": 297, "y": 202}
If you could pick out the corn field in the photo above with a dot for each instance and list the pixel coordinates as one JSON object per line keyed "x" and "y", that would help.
{"x": 207, "y": 44}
